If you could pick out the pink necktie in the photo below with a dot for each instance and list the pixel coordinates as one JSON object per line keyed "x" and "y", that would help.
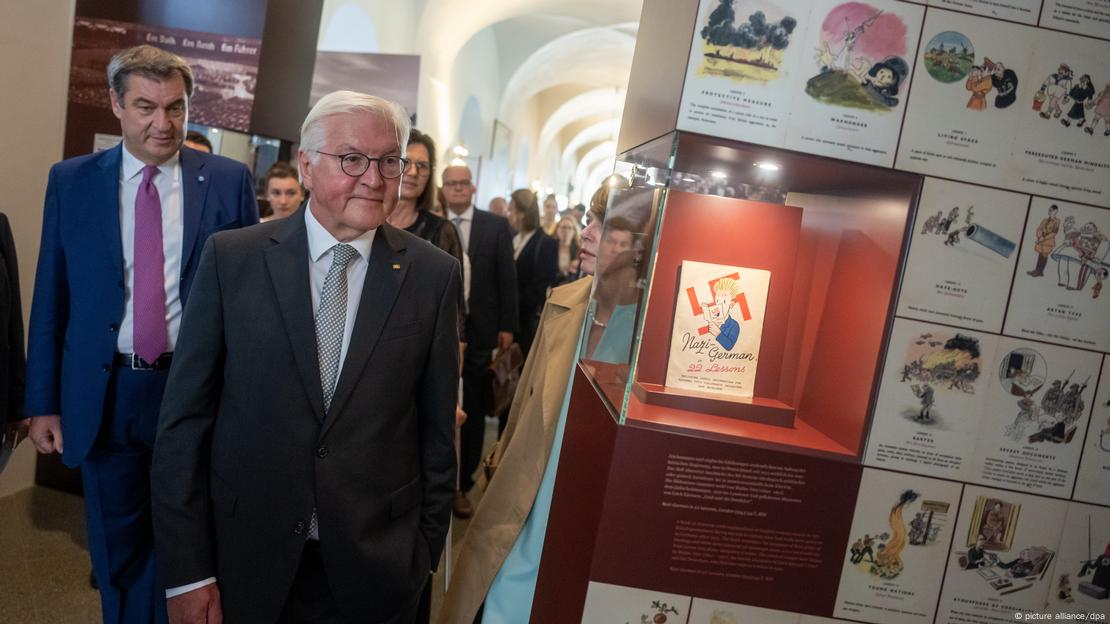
{"x": 149, "y": 296}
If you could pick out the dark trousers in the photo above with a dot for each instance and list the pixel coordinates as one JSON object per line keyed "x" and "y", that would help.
{"x": 477, "y": 391}
{"x": 310, "y": 600}
{"x": 116, "y": 483}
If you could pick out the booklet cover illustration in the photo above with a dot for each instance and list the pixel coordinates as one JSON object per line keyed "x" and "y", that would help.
{"x": 718, "y": 323}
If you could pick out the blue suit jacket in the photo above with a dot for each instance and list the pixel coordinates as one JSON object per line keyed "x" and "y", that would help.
{"x": 79, "y": 284}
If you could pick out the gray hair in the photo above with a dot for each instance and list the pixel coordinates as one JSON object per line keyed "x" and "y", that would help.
{"x": 149, "y": 61}
{"x": 349, "y": 102}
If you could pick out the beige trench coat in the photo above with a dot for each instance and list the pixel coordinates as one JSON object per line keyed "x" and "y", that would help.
{"x": 521, "y": 454}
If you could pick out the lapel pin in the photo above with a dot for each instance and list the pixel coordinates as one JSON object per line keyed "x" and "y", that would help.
{"x": 200, "y": 178}
{"x": 396, "y": 267}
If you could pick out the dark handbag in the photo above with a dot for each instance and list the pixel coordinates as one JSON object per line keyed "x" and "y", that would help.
{"x": 506, "y": 366}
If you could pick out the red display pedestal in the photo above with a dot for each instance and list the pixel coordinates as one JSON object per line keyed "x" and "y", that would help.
{"x": 755, "y": 409}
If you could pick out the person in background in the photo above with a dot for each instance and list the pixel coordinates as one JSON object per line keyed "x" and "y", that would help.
{"x": 550, "y": 215}
{"x": 537, "y": 264}
{"x": 413, "y": 214}
{"x": 439, "y": 206}
{"x": 578, "y": 211}
{"x": 13, "y": 365}
{"x": 493, "y": 316}
{"x": 198, "y": 141}
{"x": 122, "y": 235}
{"x": 566, "y": 232}
{"x": 283, "y": 191}
{"x": 494, "y": 579}
{"x": 617, "y": 293}
{"x": 499, "y": 206}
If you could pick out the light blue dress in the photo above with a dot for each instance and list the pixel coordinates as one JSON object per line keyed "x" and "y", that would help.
{"x": 510, "y": 595}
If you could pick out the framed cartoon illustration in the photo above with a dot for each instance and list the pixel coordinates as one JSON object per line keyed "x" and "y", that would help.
{"x": 1064, "y": 262}
{"x": 962, "y": 255}
{"x": 963, "y": 111}
{"x": 1063, "y": 150}
{"x": 860, "y": 61}
{"x": 743, "y": 62}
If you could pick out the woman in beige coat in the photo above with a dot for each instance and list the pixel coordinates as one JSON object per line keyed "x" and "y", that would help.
{"x": 499, "y": 556}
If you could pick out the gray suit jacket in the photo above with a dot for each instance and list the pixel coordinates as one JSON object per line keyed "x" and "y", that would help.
{"x": 245, "y": 450}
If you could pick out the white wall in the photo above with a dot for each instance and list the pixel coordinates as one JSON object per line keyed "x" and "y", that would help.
{"x": 33, "y": 127}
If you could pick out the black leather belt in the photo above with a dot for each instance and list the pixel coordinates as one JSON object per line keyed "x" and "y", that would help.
{"x": 134, "y": 362}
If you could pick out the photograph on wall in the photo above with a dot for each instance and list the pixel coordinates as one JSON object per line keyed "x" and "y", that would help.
{"x": 962, "y": 254}
{"x": 1063, "y": 263}
{"x": 718, "y": 323}
{"x": 930, "y": 399}
{"x": 745, "y": 58}
{"x": 1081, "y": 578}
{"x": 225, "y": 69}
{"x": 395, "y": 77}
{"x": 616, "y": 603}
{"x": 1002, "y": 556}
{"x": 964, "y": 109}
{"x": 1024, "y": 11}
{"x": 704, "y": 611}
{"x": 1063, "y": 149}
{"x": 1084, "y": 17}
{"x": 1093, "y": 481}
{"x": 894, "y": 561}
{"x": 859, "y": 61}
{"x": 1034, "y": 417}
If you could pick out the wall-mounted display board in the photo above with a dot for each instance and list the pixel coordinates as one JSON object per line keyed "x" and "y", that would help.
{"x": 940, "y": 340}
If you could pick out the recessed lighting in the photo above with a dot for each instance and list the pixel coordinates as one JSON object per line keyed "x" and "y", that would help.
{"x": 688, "y": 179}
{"x": 767, "y": 165}
{"x": 720, "y": 175}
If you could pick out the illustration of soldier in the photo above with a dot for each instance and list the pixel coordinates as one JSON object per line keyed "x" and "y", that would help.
{"x": 1046, "y": 240}
{"x": 1054, "y": 90}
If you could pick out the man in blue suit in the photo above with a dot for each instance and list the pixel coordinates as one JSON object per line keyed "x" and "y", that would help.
{"x": 121, "y": 240}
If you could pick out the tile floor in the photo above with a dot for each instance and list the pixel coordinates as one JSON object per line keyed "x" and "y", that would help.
{"x": 44, "y": 562}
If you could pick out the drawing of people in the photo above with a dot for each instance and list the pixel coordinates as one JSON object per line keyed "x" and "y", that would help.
{"x": 1079, "y": 95}
{"x": 947, "y": 222}
{"x": 1055, "y": 89}
{"x": 721, "y": 324}
{"x": 932, "y": 222}
{"x": 976, "y": 555}
{"x": 1046, "y": 240}
{"x": 868, "y": 548}
{"x": 884, "y": 78}
{"x": 994, "y": 525}
{"x": 925, "y": 393}
{"x": 917, "y": 529}
{"x": 1082, "y": 256}
{"x": 856, "y": 549}
{"x": 1005, "y": 83}
{"x": 1100, "y": 110}
{"x": 980, "y": 84}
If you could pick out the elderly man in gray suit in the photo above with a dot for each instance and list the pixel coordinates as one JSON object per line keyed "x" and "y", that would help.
{"x": 305, "y": 465}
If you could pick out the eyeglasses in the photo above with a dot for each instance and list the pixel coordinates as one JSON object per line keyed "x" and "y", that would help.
{"x": 457, "y": 183}
{"x": 356, "y": 164}
{"x": 421, "y": 166}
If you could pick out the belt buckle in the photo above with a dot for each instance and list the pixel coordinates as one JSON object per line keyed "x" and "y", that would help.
{"x": 138, "y": 363}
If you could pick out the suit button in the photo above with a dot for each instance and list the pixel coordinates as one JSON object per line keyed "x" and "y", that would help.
{"x": 322, "y": 452}
{"x": 105, "y": 368}
{"x": 121, "y": 284}
{"x": 298, "y": 529}
{"x": 113, "y": 328}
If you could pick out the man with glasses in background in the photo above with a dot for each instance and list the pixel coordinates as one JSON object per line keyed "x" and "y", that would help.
{"x": 492, "y": 315}
{"x": 305, "y": 460}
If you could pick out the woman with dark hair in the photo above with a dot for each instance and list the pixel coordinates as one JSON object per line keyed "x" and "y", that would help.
{"x": 413, "y": 210}
{"x": 537, "y": 262}
{"x": 566, "y": 233}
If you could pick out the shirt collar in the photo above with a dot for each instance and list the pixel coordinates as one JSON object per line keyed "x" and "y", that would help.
{"x": 320, "y": 241}
{"x": 466, "y": 216}
{"x": 132, "y": 166}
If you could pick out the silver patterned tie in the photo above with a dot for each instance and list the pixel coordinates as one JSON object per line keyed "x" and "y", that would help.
{"x": 331, "y": 320}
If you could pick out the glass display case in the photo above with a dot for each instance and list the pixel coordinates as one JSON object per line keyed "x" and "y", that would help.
{"x": 746, "y": 291}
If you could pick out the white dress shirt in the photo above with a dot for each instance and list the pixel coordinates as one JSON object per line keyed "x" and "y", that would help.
{"x": 463, "y": 225}
{"x": 172, "y": 198}
{"x": 320, "y": 242}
